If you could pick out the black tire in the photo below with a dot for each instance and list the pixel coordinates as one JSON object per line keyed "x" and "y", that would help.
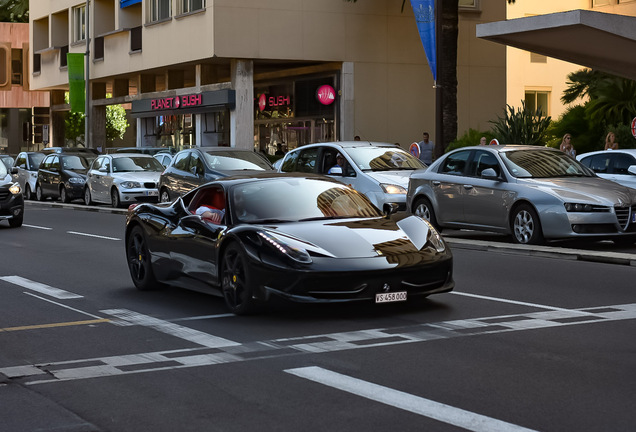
{"x": 64, "y": 195}
{"x": 164, "y": 195}
{"x": 236, "y": 282}
{"x": 424, "y": 209}
{"x": 114, "y": 198}
{"x": 139, "y": 262}
{"x": 38, "y": 193}
{"x": 87, "y": 196}
{"x": 525, "y": 225}
{"x": 28, "y": 193}
{"x": 16, "y": 222}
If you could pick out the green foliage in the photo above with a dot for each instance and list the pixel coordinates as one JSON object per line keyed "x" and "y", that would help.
{"x": 116, "y": 124}
{"x": 521, "y": 126}
{"x": 14, "y": 11}
{"x": 470, "y": 138}
{"x": 624, "y": 136}
{"x": 614, "y": 101}
{"x": 585, "y": 134}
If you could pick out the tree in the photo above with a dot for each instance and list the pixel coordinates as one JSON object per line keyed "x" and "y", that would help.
{"x": 447, "y": 72}
{"x": 116, "y": 124}
{"x": 14, "y": 11}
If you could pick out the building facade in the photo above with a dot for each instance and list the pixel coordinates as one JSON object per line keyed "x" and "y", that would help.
{"x": 22, "y": 112}
{"x": 540, "y": 80}
{"x": 261, "y": 73}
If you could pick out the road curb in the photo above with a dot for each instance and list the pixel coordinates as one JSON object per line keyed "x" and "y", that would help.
{"x": 482, "y": 245}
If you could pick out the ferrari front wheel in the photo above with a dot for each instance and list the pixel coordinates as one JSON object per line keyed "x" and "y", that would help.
{"x": 236, "y": 282}
{"x": 139, "y": 263}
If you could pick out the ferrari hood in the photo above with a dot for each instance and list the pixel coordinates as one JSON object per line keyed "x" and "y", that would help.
{"x": 355, "y": 238}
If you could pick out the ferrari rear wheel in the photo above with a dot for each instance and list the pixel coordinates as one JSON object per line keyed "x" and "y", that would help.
{"x": 138, "y": 259}
{"x": 236, "y": 282}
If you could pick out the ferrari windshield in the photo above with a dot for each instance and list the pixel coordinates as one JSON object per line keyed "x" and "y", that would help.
{"x": 384, "y": 159}
{"x": 297, "y": 199}
{"x": 543, "y": 164}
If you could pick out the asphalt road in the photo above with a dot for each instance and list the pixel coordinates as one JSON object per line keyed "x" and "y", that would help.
{"x": 531, "y": 339}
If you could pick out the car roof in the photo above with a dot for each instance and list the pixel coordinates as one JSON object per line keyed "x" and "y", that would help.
{"x": 627, "y": 151}
{"x": 352, "y": 144}
{"x": 128, "y": 155}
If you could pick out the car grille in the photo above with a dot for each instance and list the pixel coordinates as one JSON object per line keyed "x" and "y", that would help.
{"x": 4, "y": 194}
{"x": 150, "y": 185}
{"x": 623, "y": 214}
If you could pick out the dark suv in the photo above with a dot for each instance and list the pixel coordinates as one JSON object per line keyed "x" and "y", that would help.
{"x": 193, "y": 167}
{"x": 62, "y": 176}
{"x": 11, "y": 199}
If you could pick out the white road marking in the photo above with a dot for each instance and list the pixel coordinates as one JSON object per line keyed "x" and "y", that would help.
{"x": 195, "y": 336}
{"x": 65, "y": 306}
{"x": 40, "y": 287}
{"x": 415, "y": 404}
{"x": 37, "y": 227}
{"x": 92, "y": 235}
{"x": 325, "y": 343}
{"x": 501, "y": 300}
{"x": 203, "y": 317}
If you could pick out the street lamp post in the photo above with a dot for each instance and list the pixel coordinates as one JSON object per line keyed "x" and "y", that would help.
{"x": 87, "y": 79}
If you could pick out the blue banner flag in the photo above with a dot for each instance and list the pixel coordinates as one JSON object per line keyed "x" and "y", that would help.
{"x": 424, "y": 11}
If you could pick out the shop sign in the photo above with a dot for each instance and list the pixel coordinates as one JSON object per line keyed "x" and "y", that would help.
{"x": 176, "y": 102}
{"x": 265, "y": 101}
{"x": 326, "y": 94}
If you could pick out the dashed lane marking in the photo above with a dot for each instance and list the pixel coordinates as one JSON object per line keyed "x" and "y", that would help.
{"x": 37, "y": 227}
{"x": 93, "y": 235}
{"x": 215, "y": 351}
{"x": 405, "y": 401}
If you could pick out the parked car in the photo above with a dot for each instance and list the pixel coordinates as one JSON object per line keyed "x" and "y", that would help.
{"x": 616, "y": 165}
{"x": 381, "y": 171}
{"x": 534, "y": 193}
{"x": 164, "y": 158}
{"x": 11, "y": 199}
{"x": 7, "y": 160}
{"x": 62, "y": 176}
{"x": 305, "y": 238}
{"x": 193, "y": 167}
{"x": 122, "y": 178}
{"x": 27, "y": 164}
{"x": 145, "y": 150}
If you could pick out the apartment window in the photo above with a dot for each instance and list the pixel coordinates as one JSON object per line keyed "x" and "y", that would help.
{"x": 537, "y": 99}
{"x": 159, "y": 10}
{"x": 79, "y": 23}
{"x": 186, "y": 6}
{"x": 16, "y": 66}
{"x": 469, "y": 5}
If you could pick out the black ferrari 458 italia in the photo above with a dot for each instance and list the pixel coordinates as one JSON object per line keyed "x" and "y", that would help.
{"x": 305, "y": 238}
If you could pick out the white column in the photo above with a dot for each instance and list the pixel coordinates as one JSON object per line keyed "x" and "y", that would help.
{"x": 347, "y": 107}
{"x": 242, "y": 117}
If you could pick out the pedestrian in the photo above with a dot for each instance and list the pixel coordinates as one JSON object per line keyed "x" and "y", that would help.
{"x": 356, "y": 138}
{"x": 610, "y": 142}
{"x": 483, "y": 141}
{"x": 566, "y": 145}
{"x": 426, "y": 149}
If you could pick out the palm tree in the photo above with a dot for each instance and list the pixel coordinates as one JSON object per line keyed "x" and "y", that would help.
{"x": 14, "y": 10}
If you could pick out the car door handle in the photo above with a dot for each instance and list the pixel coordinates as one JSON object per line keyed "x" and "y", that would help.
{"x": 467, "y": 186}
{"x": 436, "y": 183}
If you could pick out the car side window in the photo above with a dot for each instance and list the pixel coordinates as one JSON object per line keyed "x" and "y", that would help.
{"x": 55, "y": 164}
{"x": 328, "y": 159}
{"x": 483, "y": 160}
{"x": 181, "y": 161}
{"x": 621, "y": 163}
{"x": 21, "y": 161}
{"x": 307, "y": 160}
{"x": 455, "y": 164}
{"x": 196, "y": 165}
{"x": 598, "y": 163}
{"x": 289, "y": 164}
{"x": 96, "y": 164}
{"x": 46, "y": 163}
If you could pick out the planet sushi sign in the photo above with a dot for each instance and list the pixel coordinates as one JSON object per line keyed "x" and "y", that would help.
{"x": 326, "y": 94}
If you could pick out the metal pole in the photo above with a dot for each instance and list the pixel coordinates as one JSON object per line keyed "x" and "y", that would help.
{"x": 439, "y": 91}
{"x": 87, "y": 58}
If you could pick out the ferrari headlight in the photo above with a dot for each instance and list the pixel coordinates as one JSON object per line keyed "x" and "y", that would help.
{"x": 130, "y": 185}
{"x": 435, "y": 238}
{"x": 15, "y": 189}
{"x": 296, "y": 253}
{"x": 392, "y": 188}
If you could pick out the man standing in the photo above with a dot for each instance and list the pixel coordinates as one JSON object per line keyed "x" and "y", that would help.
{"x": 426, "y": 149}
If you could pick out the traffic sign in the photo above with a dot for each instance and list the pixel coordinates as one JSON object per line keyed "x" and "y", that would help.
{"x": 494, "y": 141}
{"x": 414, "y": 149}
{"x": 634, "y": 127}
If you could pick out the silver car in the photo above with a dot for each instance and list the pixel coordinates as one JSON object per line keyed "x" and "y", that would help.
{"x": 27, "y": 164}
{"x": 379, "y": 170}
{"x": 123, "y": 178}
{"x": 533, "y": 193}
{"x": 616, "y": 165}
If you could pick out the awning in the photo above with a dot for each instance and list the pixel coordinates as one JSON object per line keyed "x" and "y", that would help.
{"x": 125, "y": 3}
{"x": 601, "y": 41}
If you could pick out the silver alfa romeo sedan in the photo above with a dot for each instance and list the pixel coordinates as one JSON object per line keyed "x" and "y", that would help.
{"x": 533, "y": 193}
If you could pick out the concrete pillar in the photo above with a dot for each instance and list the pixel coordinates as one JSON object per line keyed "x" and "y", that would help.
{"x": 97, "y": 129}
{"x": 347, "y": 106}
{"x": 242, "y": 116}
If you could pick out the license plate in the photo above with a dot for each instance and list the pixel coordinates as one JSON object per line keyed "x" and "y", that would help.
{"x": 390, "y": 297}
{"x": 152, "y": 193}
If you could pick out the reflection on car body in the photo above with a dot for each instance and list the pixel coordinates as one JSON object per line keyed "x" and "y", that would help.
{"x": 531, "y": 192}
{"x": 302, "y": 237}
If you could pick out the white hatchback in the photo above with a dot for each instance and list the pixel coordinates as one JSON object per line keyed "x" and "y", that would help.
{"x": 123, "y": 178}
{"x": 616, "y": 165}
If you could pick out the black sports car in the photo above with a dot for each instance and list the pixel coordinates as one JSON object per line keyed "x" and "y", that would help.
{"x": 11, "y": 200}
{"x": 303, "y": 237}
